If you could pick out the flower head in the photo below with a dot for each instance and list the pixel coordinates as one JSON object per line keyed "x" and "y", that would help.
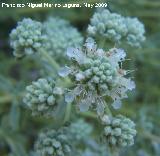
{"x": 41, "y": 97}
{"x": 27, "y": 37}
{"x": 53, "y": 143}
{"x": 119, "y": 131}
{"x": 96, "y": 74}
{"x": 115, "y": 27}
{"x": 109, "y": 25}
{"x": 136, "y": 30}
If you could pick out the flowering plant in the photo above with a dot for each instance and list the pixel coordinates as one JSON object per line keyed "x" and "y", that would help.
{"x": 91, "y": 80}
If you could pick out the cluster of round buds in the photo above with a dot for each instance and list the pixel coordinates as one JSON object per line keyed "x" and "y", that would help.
{"x": 115, "y": 27}
{"x": 80, "y": 130}
{"x": 99, "y": 73}
{"x": 41, "y": 97}
{"x": 96, "y": 74}
{"x": 109, "y": 25}
{"x": 27, "y": 37}
{"x": 60, "y": 35}
{"x": 53, "y": 143}
{"x": 119, "y": 131}
{"x": 136, "y": 32}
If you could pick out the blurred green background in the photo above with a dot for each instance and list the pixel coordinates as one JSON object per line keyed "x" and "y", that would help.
{"x": 18, "y": 129}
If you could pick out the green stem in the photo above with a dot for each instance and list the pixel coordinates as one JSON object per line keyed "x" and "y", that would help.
{"x": 55, "y": 66}
{"x": 108, "y": 111}
{"x": 67, "y": 113}
{"x": 50, "y": 60}
{"x": 89, "y": 114}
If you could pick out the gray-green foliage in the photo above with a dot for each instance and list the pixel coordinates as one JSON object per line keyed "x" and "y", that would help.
{"x": 115, "y": 27}
{"x": 53, "y": 143}
{"x": 119, "y": 131}
{"x": 60, "y": 35}
{"x": 26, "y": 38}
{"x": 41, "y": 97}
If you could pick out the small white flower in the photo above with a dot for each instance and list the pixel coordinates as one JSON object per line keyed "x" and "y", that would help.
{"x": 116, "y": 56}
{"x": 70, "y": 52}
{"x": 79, "y": 76}
{"x": 127, "y": 83}
{"x": 100, "y": 52}
{"x": 76, "y": 54}
{"x": 69, "y": 97}
{"x": 84, "y": 105}
{"x": 117, "y": 104}
{"x": 90, "y": 44}
{"x": 64, "y": 71}
{"x": 91, "y": 30}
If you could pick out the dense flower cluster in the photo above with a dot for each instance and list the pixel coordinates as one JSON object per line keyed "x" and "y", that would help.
{"x": 54, "y": 36}
{"x": 41, "y": 96}
{"x": 60, "y": 35}
{"x": 96, "y": 74}
{"x": 27, "y": 37}
{"x": 79, "y": 130}
{"x": 119, "y": 131}
{"x": 115, "y": 27}
{"x": 53, "y": 143}
{"x": 136, "y": 32}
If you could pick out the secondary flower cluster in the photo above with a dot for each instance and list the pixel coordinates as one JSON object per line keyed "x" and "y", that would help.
{"x": 119, "y": 131}
{"x": 54, "y": 36}
{"x": 136, "y": 32}
{"x": 63, "y": 141}
{"x": 53, "y": 143}
{"x": 41, "y": 97}
{"x": 60, "y": 35}
{"x": 27, "y": 37}
{"x": 115, "y": 27}
{"x": 96, "y": 74}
